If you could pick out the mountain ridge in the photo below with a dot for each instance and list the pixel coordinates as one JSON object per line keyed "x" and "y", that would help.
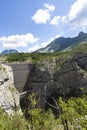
{"x": 9, "y": 51}
{"x": 62, "y": 43}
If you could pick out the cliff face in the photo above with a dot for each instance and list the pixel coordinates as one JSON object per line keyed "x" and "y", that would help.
{"x": 48, "y": 79}
{"x": 54, "y": 78}
{"x": 9, "y": 96}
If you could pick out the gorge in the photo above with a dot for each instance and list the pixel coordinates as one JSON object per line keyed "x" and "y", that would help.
{"x": 52, "y": 78}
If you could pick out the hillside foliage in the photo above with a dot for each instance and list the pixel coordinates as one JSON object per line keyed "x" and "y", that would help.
{"x": 39, "y": 57}
{"x": 73, "y": 116}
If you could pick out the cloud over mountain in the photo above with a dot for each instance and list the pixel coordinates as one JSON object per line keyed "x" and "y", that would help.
{"x": 34, "y": 48}
{"x": 16, "y": 41}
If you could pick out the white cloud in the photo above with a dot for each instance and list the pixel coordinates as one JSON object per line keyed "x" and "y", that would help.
{"x": 59, "y": 35}
{"x": 42, "y": 16}
{"x": 44, "y": 44}
{"x": 15, "y": 41}
{"x": 50, "y": 7}
{"x": 77, "y": 16}
{"x": 34, "y": 48}
{"x": 55, "y": 20}
{"x": 64, "y": 19}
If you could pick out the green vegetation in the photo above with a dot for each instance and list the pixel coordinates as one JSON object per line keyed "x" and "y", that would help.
{"x": 12, "y": 89}
{"x": 12, "y": 123}
{"x": 80, "y": 48}
{"x": 39, "y": 57}
{"x": 2, "y": 68}
{"x": 74, "y": 113}
{"x": 72, "y": 116}
{"x": 33, "y": 57}
{"x": 39, "y": 119}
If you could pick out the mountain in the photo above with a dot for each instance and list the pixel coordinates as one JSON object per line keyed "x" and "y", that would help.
{"x": 63, "y": 44}
{"x": 10, "y": 51}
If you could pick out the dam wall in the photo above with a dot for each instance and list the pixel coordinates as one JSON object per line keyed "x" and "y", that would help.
{"x": 20, "y": 74}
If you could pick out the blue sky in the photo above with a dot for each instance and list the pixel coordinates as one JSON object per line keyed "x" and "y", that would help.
{"x": 29, "y": 25}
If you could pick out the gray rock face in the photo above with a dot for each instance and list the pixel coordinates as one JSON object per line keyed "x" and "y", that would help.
{"x": 81, "y": 59}
{"x": 71, "y": 78}
{"x": 66, "y": 78}
{"x": 9, "y": 96}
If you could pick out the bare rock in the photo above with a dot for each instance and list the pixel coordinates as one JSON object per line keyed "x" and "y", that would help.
{"x": 60, "y": 77}
{"x": 9, "y": 96}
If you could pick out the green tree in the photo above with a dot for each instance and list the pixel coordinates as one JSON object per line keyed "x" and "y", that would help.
{"x": 74, "y": 113}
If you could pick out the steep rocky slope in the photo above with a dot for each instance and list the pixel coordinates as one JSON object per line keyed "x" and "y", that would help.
{"x": 60, "y": 77}
{"x": 9, "y": 96}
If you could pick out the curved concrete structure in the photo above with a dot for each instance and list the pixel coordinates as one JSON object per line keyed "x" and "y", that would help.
{"x": 20, "y": 74}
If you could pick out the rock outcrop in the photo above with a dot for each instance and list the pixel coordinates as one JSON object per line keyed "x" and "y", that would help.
{"x": 49, "y": 79}
{"x": 9, "y": 96}
{"x": 65, "y": 77}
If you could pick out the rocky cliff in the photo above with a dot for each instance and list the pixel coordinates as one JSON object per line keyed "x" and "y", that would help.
{"x": 9, "y": 96}
{"x": 58, "y": 77}
{"x": 48, "y": 79}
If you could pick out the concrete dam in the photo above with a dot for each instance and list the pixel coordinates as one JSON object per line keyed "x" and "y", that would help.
{"x": 19, "y": 74}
